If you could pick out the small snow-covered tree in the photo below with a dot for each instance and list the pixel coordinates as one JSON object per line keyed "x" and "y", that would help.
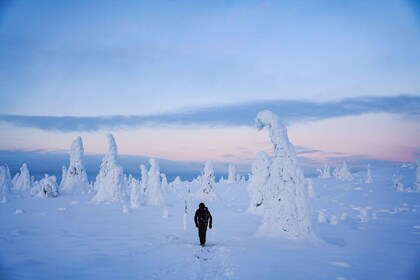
{"x": 144, "y": 181}
{"x": 207, "y": 190}
{"x": 325, "y": 173}
{"x": 398, "y": 185}
{"x": 287, "y": 210}
{"x": 110, "y": 180}
{"x": 135, "y": 197}
{"x": 416, "y": 187}
{"x": 5, "y": 182}
{"x": 63, "y": 176}
{"x": 258, "y": 180}
{"x": 232, "y": 173}
{"x": 369, "y": 178}
{"x": 76, "y": 181}
{"x": 342, "y": 172}
{"x": 46, "y": 187}
{"x": 311, "y": 191}
{"x": 165, "y": 184}
{"x": 22, "y": 181}
{"x": 153, "y": 191}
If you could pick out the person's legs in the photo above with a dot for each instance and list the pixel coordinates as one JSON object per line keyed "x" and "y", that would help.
{"x": 202, "y": 233}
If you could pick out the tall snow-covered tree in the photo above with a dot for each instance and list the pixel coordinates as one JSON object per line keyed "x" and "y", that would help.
{"x": 207, "y": 190}
{"x": 153, "y": 193}
{"x": 110, "y": 180}
{"x": 22, "y": 181}
{"x": 76, "y": 181}
{"x": 417, "y": 182}
{"x": 135, "y": 196}
{"x": 369, "y": 178}
{"x": 260, "y": 173}
{"x": 144, "y": 181}
{"x": 232, "y": 173}
{"x": 287, "y": 210}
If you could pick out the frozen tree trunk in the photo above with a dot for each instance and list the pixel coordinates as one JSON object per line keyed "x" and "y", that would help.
{"x": 287, "y": 210}
{"x": 110, "y": 180}
{"x": 75, "y": 180}
{"x": 257, "y": 182}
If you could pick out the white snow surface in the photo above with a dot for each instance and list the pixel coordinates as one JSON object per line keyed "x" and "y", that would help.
{"x": 75, "y": 179}
{"x": 99, "y": 241}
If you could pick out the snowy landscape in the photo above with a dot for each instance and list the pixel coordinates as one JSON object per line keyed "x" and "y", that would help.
{"x": 272, "y": 224}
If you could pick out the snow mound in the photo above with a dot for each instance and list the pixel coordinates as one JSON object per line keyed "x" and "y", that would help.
{"x": 47, "y": 187}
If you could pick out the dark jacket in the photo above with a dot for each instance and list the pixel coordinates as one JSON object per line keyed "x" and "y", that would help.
{"x": 203, "y": 217}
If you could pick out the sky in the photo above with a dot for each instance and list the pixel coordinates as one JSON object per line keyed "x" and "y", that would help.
{"x": 184, "y": 80}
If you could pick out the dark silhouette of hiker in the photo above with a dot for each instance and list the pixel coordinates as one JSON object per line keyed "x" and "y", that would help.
{"x": 202, "y": 218}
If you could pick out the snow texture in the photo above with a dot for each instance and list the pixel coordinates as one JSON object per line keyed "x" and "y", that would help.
{"x": 342, "y": 172}
{"x": 207, "y": 191}
{"x": 22, "y": 181}
{"x": 75, "y": 180}
{"x": 153, "y": 193}
{"x": 110, "y": 181}
{"x": 232, "y": 173}
{"x": 369, "y": 178}
{"x": 287, "y": 210}
{"x": 257, "y": 182}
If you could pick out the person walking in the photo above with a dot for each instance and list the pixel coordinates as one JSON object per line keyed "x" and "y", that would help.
{"x": 202, "y": 218}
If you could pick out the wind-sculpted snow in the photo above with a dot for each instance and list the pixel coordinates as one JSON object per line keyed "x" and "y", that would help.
{"x": 75, "y": 180}
{"x": 110, "y": 180}
{"x": 287, "y": 210}
{"x": 153, "y": 193}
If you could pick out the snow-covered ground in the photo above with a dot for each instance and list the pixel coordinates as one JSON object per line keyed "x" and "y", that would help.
{"x": 368, "y": 231}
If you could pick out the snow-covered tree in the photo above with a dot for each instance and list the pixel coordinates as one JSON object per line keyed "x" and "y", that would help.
{"x": 232, "y": 173}
{"x": 325, "y": 173}
{"x": 76, "y": 181}
{"x": 46, "y": 187}
{"x": 369, "y": 178}
{"x": 311, "y": 192}
{"x": 153, "y": 191}
{"x": 398, "y": 185}
{"x": 342, "y": 172}
{"x": 287, "y": 210}
{"x": 416, "y": 187}
{"x": 110, "y": 180}
{"x": 5, "y": 182}
{"x": 63, "y": 176}
{"x": 144, "y": 181}
{"x": 258, "y": 180}
{"x": 164, "y": 184}
{"x": 135, "y": 196}
{"x": 22, "y": 181}
{"x": 207, "y": 190}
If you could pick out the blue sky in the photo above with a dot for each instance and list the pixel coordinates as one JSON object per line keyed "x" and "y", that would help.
{"x": 200, "y": 71}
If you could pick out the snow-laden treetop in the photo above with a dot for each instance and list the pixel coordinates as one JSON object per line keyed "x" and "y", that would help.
{"x": 77, "y": 151}
{"x": 278, "y": 133}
